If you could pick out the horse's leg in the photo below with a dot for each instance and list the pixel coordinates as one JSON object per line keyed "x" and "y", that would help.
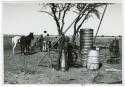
{"x": 14, "y": 47}
{"x": 26, "y": 49}
{"x": 21, "y": 48}
{"x": 25, "y": 52}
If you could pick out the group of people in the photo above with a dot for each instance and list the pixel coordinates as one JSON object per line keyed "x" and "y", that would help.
{"x": 66, "y": 54}
{"x": 27, "y": 42}
{"x": 44, "y": 42}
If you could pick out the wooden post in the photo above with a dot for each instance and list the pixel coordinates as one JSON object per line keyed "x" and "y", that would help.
{"x": 100, "y": 23}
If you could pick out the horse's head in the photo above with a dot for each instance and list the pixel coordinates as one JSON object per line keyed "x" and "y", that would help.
{"x": 31, "y": 35}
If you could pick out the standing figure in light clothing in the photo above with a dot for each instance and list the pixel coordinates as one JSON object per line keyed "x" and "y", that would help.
{"x": 44, "y": 41}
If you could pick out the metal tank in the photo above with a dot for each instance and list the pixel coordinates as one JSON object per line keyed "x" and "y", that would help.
{"x": 86, "y": 43}
{"x": 93, "y": 60}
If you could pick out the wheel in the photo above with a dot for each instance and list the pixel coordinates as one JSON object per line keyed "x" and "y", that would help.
{"x": 74, "y": 55}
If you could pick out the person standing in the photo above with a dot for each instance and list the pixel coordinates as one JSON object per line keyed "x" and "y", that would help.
{"x": 41, "y": 42}
{"x": 44, "y": 33}
{"x": 44, "y": 41}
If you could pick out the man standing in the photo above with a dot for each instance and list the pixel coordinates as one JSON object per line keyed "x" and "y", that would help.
{"x": 41, "y": 42}
{"x": 44, "y": 41}
{"x": 44, "y": 33}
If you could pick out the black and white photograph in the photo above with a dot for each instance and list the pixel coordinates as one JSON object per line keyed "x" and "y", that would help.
{"x": 62, "y": 42}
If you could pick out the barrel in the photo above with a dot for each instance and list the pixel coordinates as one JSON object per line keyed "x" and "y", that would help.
{"x": 86, "y": 38}
{"x": 93, "y": 60}
{"x": 86, "y": 43}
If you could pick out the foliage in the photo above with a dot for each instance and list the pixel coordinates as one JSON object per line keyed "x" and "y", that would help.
{"x": 85, "y": 11}
{"x": 58, "y": 11}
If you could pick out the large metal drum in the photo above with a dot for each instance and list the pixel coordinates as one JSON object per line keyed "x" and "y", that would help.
{"x": 86, "y": 38}
{"x": 86, "y": 43}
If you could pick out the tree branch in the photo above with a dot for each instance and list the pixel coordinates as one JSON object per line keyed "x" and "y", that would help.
{"x": 64, "y": 13}
{"x": 82, "y": 22}
{"x": 53, "y": 9}
{"x": 84, "y": 19}
{"x": 47, "y": 13}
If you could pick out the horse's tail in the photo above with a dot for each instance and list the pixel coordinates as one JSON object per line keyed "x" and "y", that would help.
{"x": 12, "y": 42}
{"x": 19, "y": 40}
{"x": 13, "y": 45}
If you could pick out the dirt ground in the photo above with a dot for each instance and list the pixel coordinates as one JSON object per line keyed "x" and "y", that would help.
{"x": 34, "y": 74}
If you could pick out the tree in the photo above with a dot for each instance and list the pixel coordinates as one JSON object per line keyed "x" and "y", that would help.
{"x": 88, "y": 11}
{"x": 58, "y": 11}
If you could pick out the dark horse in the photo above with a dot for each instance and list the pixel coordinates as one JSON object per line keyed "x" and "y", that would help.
{"x": 25, "y": 42}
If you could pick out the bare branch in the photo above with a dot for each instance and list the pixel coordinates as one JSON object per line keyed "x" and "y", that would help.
{"x": 64, "y": 13}
{"x": 47, "y": 13}
{"x": 55, "y": 17}
{"x": 75, "y": 12}
{"x": 58, "y": 11}
{"x": 83, "y": 21}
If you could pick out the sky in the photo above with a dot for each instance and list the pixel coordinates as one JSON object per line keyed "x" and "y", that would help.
{"x": 22, "y": 18}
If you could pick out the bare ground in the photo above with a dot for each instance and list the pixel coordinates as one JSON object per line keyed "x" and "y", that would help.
{"x": 34, "y": 74}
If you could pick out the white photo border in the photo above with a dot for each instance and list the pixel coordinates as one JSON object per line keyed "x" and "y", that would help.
{"x": 58, "y": 85}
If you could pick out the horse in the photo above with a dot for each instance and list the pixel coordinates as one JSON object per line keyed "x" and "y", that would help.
{"x": 15, "y": 41}
{"x": 25, "y": 42}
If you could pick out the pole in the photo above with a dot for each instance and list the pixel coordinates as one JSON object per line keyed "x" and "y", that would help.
{"x": 64, "y": 33}
{"x": 47, "y": 52}
{"x": 100, "y": 23}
